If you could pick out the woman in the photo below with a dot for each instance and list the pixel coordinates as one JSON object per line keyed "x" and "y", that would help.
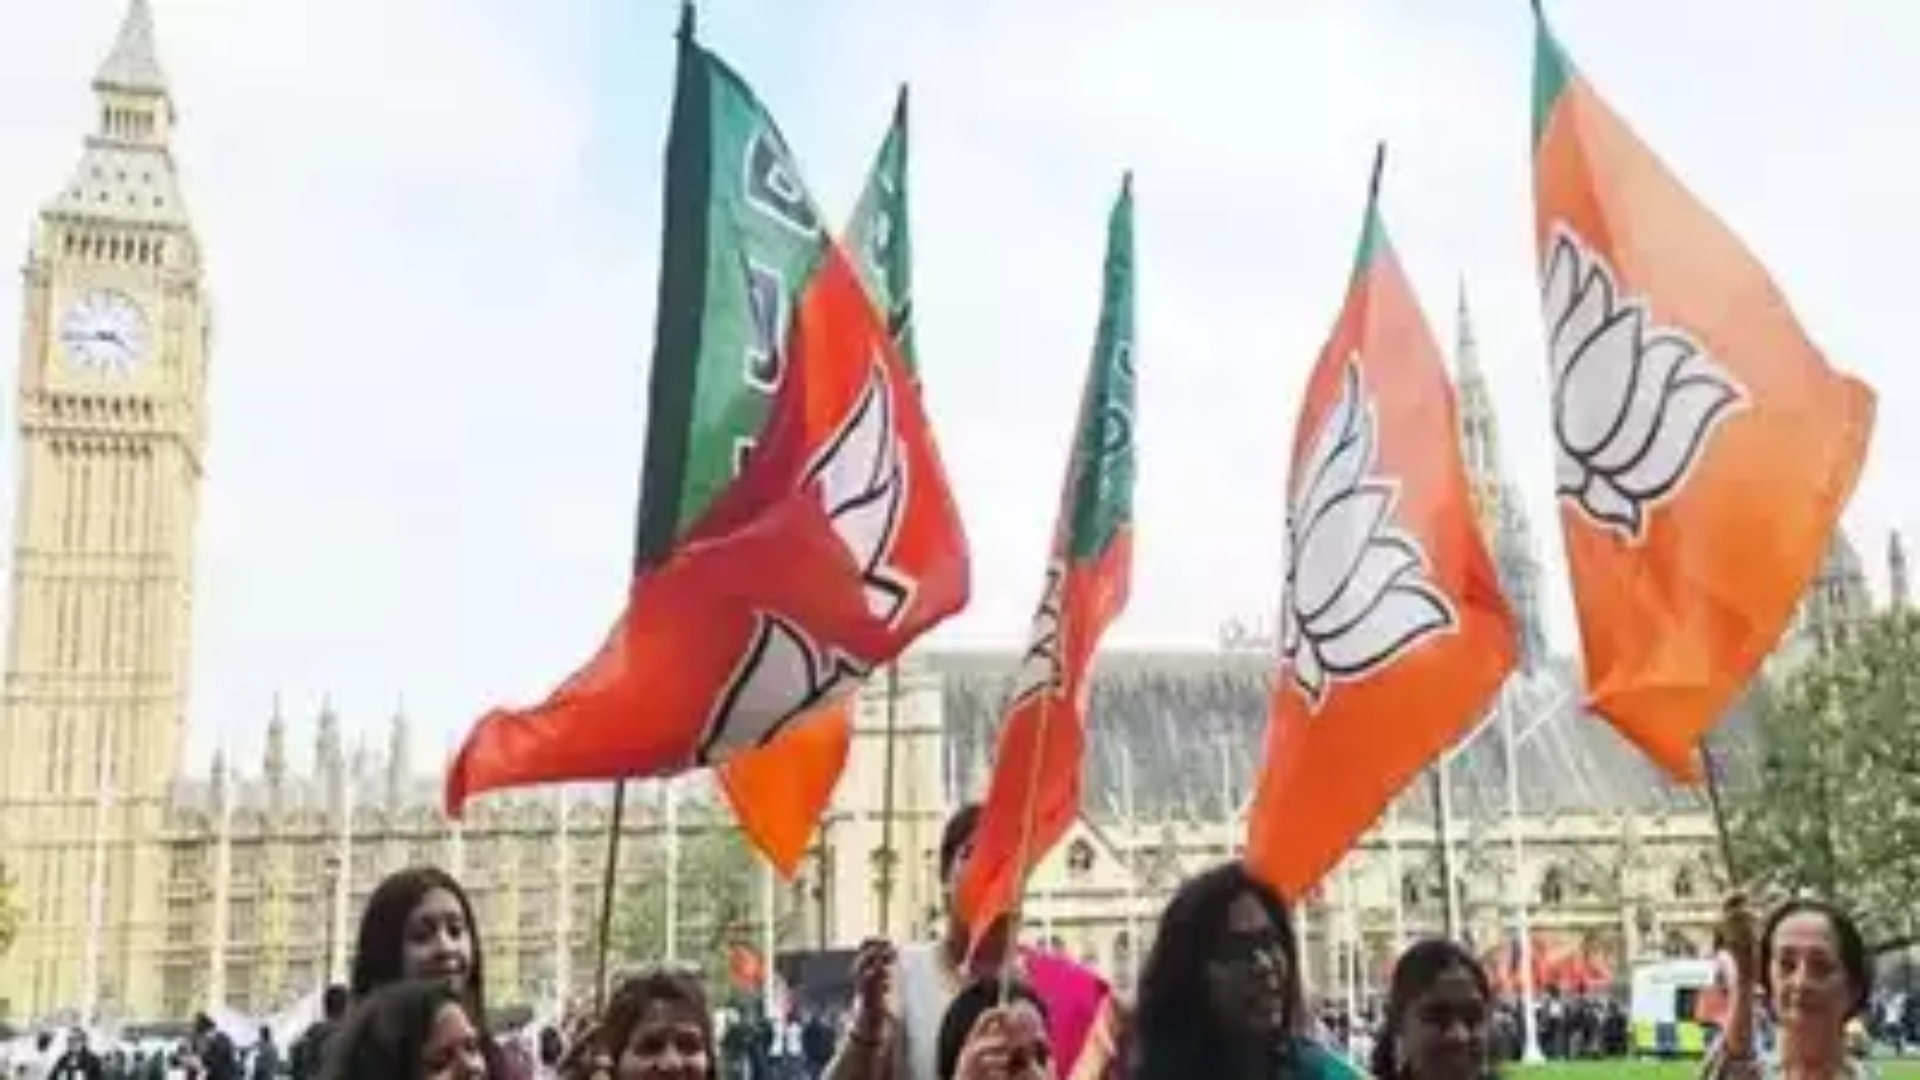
{"x": 419, "y": 924}
{"x": 1220, "y": 995}
{"x": 419, "y": 1029}
{"x": 656, "y": 1027}
{"x": 1810, "y": 967}
{"x": 1439, "y": 1012}
{"x": 996, "y": 1030}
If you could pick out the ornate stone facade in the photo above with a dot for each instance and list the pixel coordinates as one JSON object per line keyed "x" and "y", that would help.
{"x": 240, "y": 886}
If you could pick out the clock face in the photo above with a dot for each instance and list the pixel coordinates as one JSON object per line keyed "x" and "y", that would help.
{"x": 104, "y": 332}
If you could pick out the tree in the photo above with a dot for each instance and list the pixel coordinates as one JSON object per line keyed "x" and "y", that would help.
{"x": 720, "y": 898}
{"x": 1836, "y": 807}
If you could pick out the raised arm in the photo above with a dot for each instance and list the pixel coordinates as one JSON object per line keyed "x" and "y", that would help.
{"x": 871, "y": 1048}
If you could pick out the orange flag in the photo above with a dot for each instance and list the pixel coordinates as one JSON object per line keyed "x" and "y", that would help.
{"x": 1035, "y": 793}
{"x": 1394, "y": 632}
{"x": 1703, "y": 446}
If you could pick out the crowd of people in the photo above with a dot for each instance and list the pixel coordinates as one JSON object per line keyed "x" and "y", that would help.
{"x": 1219, "y": 997}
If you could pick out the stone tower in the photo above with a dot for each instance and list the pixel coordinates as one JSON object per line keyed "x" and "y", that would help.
{"x": 1503, "y": 518}
{"x": 112, "y": 426}
{"x": 848, "y": 847}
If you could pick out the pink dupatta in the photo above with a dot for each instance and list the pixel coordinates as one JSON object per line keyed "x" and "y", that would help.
{"x": 1076, "y": 1000}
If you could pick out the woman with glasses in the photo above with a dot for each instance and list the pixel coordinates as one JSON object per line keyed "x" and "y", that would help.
{"x": 1220, "y": 995}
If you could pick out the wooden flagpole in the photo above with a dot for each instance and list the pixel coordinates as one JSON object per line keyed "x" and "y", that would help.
{"x": 887, "y": 858}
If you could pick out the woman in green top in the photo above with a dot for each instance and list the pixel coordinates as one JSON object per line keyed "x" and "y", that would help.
{"x": 1220, "y": 995}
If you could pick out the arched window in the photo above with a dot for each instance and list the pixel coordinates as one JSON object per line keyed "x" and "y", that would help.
{"x": 1683, "y": 886}
{"x": 1412, "y": 894}
{"x": 1079, "y": 858}
{"x": 1553, "y": 887}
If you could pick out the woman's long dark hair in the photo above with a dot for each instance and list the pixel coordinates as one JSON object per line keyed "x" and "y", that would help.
{"x": 379, "y": 951}
{"x": 1413, "y": 975}
{"x": 385, "y": 1036}
{"x": 1175, "y": 1035}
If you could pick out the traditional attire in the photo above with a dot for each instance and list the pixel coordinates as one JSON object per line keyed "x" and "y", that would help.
{"x": 925, "y": 984}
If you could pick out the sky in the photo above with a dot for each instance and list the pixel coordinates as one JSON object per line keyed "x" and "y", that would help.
{"x": 432, "y": 227}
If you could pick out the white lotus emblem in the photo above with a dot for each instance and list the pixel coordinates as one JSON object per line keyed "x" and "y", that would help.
{"x": 1634, "y": 403}
{"x": 1043, "y": 670}
{"x": 1357, "y": 591}
{"x": 786, "y": 670}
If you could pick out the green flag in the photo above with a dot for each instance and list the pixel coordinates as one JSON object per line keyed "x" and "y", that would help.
{"x": 742, "y": 239}
{"x": 879, "y": 237}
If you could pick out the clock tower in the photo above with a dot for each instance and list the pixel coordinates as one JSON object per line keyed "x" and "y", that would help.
{"x": 112, "y": 424}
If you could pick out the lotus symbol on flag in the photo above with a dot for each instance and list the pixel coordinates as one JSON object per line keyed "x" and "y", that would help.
{"x": 1635, "y": 403}
{"x": 786, "y": 671}
{"x": 1358, "y": 595}
{"x": 863, "y": 487}
{"x": 1042, "y": 670}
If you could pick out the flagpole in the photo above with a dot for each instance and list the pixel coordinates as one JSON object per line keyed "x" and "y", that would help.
{"x": 1443, "y": 824}
{"x": 1517, "y": 880}
{"x": 1133, "y": 865}
{"x": 769, "y": 943}
{"x": 1024, "y": 852}
{"x": 643, "y": 558}
{"x": 885, "y": 859}
{"x": 1350, "y": 939}
{"x": 1397, "y": 874}
{"x": 669, "y": 793}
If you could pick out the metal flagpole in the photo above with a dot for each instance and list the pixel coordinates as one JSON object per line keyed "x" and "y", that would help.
{"x": 1133, "y": 864}
{"x": 1443, "y": 812}
{"x": 671, "y": 796}
{"x": 1518, "y": 879}
{"x": 769, "y": 943}
{"x": 1350, "y": 946}
{"x": 1398, "y": 876}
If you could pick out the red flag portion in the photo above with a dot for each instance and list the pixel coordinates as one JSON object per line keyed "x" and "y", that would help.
{"x": 1394, "y": 633}
{"x": 1034, "y": 796}
{"x": 836, "y": 547}
{"x": 1704, "y": 448}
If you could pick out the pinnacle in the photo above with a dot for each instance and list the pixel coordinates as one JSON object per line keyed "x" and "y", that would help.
{"x": 134, "y": 64}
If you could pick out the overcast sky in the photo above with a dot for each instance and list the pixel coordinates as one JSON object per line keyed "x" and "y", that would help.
{"x": 433, "y": 227}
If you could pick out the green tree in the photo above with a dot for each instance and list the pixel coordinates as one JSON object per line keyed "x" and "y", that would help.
{"x": 1835, "y": 809}
{"x": 720, "y": 897}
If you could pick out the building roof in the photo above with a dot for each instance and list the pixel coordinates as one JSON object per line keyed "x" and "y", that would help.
{"x": 134, "y": 64}
{"x": 1192, "y": 724}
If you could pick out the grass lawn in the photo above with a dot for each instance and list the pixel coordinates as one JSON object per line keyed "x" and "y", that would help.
{"x": 1894, "y": 1069}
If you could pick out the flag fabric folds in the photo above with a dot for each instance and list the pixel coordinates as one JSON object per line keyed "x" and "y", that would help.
{"x": 780, "y": 791}
{"x": 1034, "y": 795}
{"x": 796, "y": 526}
{"x": 1703, "y": 447}
{"x": 1394, "y": 632}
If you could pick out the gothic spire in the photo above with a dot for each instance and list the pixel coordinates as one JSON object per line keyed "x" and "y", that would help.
{"x": 133, "y": 67}
{"x": 1503, "y": 520}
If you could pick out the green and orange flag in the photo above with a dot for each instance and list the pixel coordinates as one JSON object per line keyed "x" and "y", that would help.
{"x": 779, "y": 792}
{"x": 1394, "y": 633}
{"x": 1703, "y": 447}
{"x": 796, "y": 526}
{"x": 1034, "y": 795}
